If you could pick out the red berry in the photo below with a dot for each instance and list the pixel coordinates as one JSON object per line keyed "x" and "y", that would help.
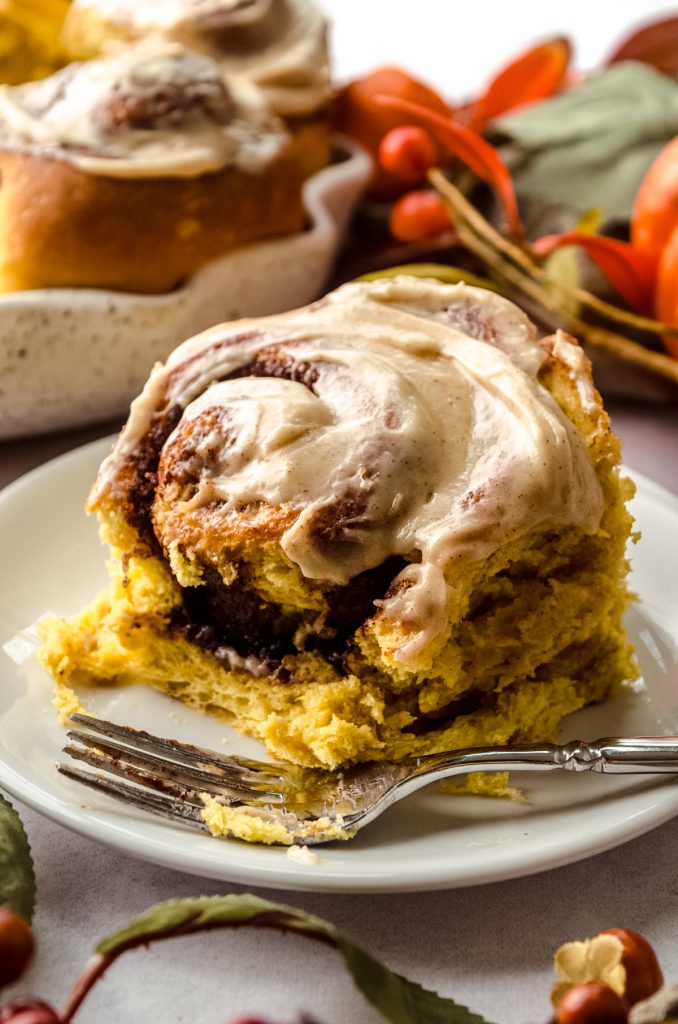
{"x": 28, "y": 1011}
{"x": 643, "y": 974}
{"x": 407, "y": 153}
{"x": 16, "y": 946}
{"x": 418, "y": 215}
{"x": 592, "y": 1003}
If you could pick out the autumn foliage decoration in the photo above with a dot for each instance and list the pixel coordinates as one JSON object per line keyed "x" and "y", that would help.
{"x": 410, "y": 130}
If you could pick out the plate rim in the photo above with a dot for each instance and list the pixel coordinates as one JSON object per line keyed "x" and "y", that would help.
{"x": 289, "y": 875}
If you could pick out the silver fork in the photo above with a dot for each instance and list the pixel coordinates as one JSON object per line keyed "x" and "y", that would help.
{"x": 313, "y": 806}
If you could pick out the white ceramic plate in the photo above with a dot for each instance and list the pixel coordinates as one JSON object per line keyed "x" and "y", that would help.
{"x": 52, "y": 561}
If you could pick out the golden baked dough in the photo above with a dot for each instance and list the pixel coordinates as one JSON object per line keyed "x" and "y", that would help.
{"x": 132, "y": 235}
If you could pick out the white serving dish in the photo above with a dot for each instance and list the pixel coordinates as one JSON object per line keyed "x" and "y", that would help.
{"x": 74, "y": 356}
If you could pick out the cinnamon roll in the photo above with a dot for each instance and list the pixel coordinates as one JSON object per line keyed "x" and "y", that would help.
{"x": 131, "y": 171}
{"x": 389, "y": 523}
{"x": 278, "y": 45}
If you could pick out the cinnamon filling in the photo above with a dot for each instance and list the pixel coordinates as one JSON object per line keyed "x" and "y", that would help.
{"x": 468, "y": 704}
{"x": 143, "y": 470}
{"x": 239, "y": 618}
{"x": 232, "y": 615}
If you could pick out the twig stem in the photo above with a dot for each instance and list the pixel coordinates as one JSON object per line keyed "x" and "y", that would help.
{"x": 515, "y": 266}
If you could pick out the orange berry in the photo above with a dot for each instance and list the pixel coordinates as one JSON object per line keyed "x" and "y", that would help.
{"x": 593, "y": 1003}
{"x": 407, "y": 153}
{"x": 16, "y": 946}
{"x": 643, "y": 973}
{"x": 28, "y": 1011}
{"x": 418, "y": 215}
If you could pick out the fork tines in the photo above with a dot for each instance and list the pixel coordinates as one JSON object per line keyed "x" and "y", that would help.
{"x": 164, "y": 776}
{"x": 175, "y": 807}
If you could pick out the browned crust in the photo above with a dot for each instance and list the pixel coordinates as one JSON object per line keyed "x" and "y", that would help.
{"x": 313, "y": 140}
{"x": 62, "y": 227}
{"x": 592, "y": 422}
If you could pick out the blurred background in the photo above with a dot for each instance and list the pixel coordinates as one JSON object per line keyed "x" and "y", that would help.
{"x": 456, "y": 45}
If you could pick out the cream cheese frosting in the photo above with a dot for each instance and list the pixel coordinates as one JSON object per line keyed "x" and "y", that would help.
{"x": 278, "y": 45}
{"x": 410, "y": 417}
{"x": 153, "y": 110}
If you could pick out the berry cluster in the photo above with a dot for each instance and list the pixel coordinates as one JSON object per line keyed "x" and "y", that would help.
{"x": 595, "y": 1002}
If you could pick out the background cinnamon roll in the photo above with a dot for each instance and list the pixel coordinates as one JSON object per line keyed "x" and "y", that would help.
{"x": 391, "y": 522}
{"x": 278, "y": 45}
{"x": 129, "y": 172}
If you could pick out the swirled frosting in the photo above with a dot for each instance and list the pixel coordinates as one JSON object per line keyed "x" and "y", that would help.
{"x": 279, "y": 45}
{"x": 396, "y": 417}
{"x": 152, "y": 110}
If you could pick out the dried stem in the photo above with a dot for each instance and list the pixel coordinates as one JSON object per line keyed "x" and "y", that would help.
{"x": 520, "y": 256}
{"x": 630, "y": 351}
{"x": 515, "y": 266}
{"x": 280, "y": 919}
{"x": 87, "y": 979}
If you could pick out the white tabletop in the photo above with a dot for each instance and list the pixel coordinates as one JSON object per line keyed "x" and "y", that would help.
{"x": 489, "y": 947}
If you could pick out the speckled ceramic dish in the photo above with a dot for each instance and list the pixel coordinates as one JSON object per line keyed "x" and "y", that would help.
{"x": 70, "y": 357}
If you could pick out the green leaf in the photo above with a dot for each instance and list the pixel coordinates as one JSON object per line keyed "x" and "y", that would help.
{"x": 591, "y": 146}
{"x": 624, "y": 103}
{"x": 17, "y": 879}
{"x": 397, "y": 999}
{"x": 571, "y": 179}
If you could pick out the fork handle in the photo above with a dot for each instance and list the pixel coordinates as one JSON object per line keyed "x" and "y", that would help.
{"x": 633, "y": 755}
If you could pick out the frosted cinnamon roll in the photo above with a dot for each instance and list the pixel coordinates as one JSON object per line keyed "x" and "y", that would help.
{"x": 131, "y": 171}
{"x": 389, "y": 523}
{"x": 278, "y": 45}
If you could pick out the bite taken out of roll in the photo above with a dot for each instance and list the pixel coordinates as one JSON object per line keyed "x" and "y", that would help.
{"x": 280, "y": 46}
{"x": 386, "y": 524}
{"x": 132, "y": 171}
